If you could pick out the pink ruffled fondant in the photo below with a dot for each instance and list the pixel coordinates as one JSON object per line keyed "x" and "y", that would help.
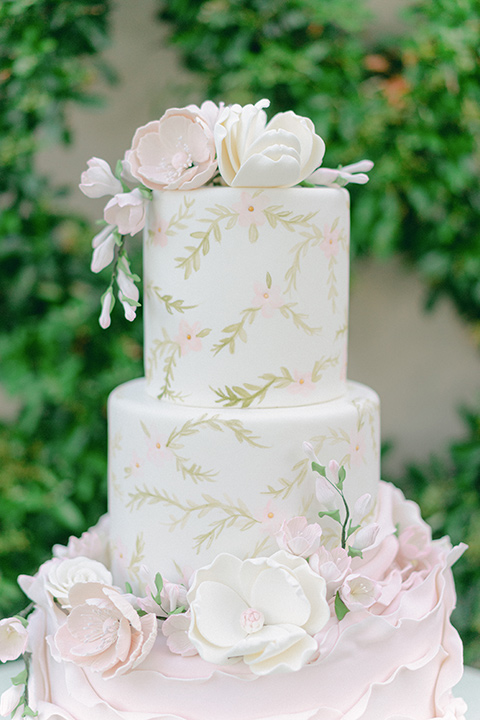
{"x": 390, "y": 662}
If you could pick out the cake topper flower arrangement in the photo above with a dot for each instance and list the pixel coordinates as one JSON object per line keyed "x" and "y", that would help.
{"x": 188, "y": 148}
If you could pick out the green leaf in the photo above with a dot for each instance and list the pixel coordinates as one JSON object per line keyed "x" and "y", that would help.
{"x": 320, "y": 469}
{"x": 334, "y": 514}
{"x": 341, "y": 477}
{"x": 354, "y": 552}
{"x": 269, "y": 280}
{"x": 178, "y": 610}
{"x": 128, "y": 588}
{"x": 340, "y": 608}
{"x": 21, "y": 678}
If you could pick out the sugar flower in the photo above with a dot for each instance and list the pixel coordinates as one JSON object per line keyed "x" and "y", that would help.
{"x": 99, "y": 180}
{"x": 296, "y": 536}
{"x": 103, "y": 631}
{"x": 127, "y": 211}
{"x": 264, "y": 611}
{"x": 103, "y": 249}
{"x": 176, "y": 152}
{"x": 252, "y": 153}
{"x": 10, "y": 700}
{"x": 333, "y": 565}
{"x": 64, "y": 574}
{"x": 175, "y": 628}
{"x": 355, "y": 173}
{"x": 13, "y": 639}
{"x": 108, "y": 302}
{"x": 365, "y": 536}
{"x": 359, "y": 593}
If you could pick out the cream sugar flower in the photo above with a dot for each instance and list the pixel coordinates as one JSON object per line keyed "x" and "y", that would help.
{"x": 263, "y": 610}
{"x": 13, "y": 639}
{"x": 252, "y": 153}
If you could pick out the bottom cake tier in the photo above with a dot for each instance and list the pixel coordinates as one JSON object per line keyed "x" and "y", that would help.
{"x": 327, "y": 635}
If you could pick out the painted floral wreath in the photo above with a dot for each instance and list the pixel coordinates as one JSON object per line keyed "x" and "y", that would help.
{"x": 187, "y": 148}
{"x": 273, "y": 613}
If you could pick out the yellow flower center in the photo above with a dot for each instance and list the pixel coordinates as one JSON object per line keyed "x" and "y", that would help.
{"x": 158, "y": 445}
{"x": 266, "y": 296}
{"x": 137, "y": 464}
{"x": 159, "y": 229}
{"x": 357, "y": 447}
{"x": 189, "y": 337}
{"x": 271, "y": 515}
{"x": 251, "y": 208}
{"x": 301, "y": 381}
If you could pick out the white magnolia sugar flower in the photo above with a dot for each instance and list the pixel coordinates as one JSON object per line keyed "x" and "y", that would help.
{"x": 263, "y": 610}
{"x": 99, "y": 180}
{"x": 64, "y": 574}
{"x": 252, "y": 153}
{"x": 127, "y": 211}
{"x": 13, "y": 639}
{"x": 103, "y": 249}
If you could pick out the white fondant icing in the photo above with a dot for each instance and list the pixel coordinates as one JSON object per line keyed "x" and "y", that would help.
{"x": 187, "y": 484}
{"x": 247, "y": 288}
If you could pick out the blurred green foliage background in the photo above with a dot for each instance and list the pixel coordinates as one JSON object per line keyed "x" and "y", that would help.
{"x": 411, "y": 103}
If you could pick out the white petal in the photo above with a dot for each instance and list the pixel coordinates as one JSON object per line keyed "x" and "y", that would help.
{"x": 217, "y": 611}
{"x": 262, "y": 171}
{"x": 280, "y": 597}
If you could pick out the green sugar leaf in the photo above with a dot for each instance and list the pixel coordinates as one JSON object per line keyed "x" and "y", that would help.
{"x": 340, "y": 608}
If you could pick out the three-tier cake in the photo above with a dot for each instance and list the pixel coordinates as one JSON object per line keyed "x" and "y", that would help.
{"x": 252, "y": 565}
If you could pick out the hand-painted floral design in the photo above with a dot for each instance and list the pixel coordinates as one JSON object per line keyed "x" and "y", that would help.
{"x": 267, "y": 298}
{"x": 302, "y": 383}
{"x": 330, "y": 244}
{"x": 158, "y": 451}
{"x": 250, "y": 209}
{"x": 357, "y": 448}
{"x": 272, "y": 518}
{"x": 188, "y": 337}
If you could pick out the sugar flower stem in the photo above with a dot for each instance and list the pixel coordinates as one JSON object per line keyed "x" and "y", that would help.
{"x": 321, "y": 471}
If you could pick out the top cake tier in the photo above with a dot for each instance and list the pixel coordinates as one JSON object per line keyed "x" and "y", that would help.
{"x": 246, "y": 296}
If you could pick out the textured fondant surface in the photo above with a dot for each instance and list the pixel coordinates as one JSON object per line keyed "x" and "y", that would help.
{"x": 189, "y": 483}
{"x": 247, "y": 289}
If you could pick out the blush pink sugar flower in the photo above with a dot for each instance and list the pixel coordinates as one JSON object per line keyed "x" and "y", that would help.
{"x": 98, "y": 180}
{"x": 13, "y": 639}
{"x": 127, "y": 211}
{"x": 299, "y": 537}
{"x": 176, "y": 152}
{"x": 103, "y": 632}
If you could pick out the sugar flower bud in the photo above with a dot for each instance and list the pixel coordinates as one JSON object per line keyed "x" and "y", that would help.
{"x": 129, "y": 307}
{"x": 298, "y": 537}
{"x": 366, "y": 536}
{"x": 310, "y": 452}
{"x": 334, "y": 467}
{"x": 326, "y": 494}
{"x": 126, "y": 280}
{"x": 104, "y": 249}
{"x": 13, "y": 639}
{"x": 108, "y": 302}
{"x": 355, "y": 173}
{"x": 127, "y": 211}
{"x": 99, "y": 180}
{"x": 10, "y": 699}
{"x": 363, "y": 506}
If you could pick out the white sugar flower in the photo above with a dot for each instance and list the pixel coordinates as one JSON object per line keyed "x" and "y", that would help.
{"x": 64, "y": 574}
{"x": 252, "y": 153}
{"x": 363, "y": 506}
{"x": 359, "y": 593}
{"x": 263, "y": 610}
{"x": 108, "y": 302}
{"x": 13, "y": 639}
{"x": 127, "y": 211}
{"x": 365, "y": 536}
{"x": 99, "y": 180}
{"x": 10, "y": 699}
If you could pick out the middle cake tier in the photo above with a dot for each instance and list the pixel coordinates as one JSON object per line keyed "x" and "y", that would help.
{"x": 186, "y": 484}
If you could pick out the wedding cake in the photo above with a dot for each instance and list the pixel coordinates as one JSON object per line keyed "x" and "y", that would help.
{"x": 252, "y": 565}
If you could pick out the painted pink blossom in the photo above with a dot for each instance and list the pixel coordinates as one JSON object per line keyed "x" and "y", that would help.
{"x": 268, "y": 299}
{"x": 296, "y": 536}
{"x": 13, "y": 639}
{"x": 329, "y": 243}
{"x": 136, "y": 464}
{"x": 176, "y": 152}
{"x": 250, "y": 209}
{"x": 103, "y": 632}
{"x": 188, "y": 338}
{"x": 303, "y": 384}
{"x": 271, "y": 518}
{"x": 160, "y": 237}
{"x": 158, "y": 451}
{"x": 357, "y": 448}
